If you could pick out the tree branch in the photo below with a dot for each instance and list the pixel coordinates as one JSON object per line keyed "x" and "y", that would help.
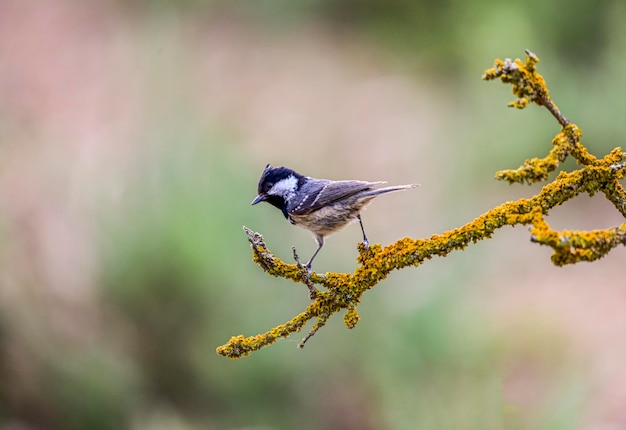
{"x": 344, "y": 291}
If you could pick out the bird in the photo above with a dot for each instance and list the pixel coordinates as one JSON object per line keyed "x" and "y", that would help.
{"x": 322, "y": 206}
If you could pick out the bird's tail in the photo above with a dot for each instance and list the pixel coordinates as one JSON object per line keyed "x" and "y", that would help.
{"x": 378, "y": 191}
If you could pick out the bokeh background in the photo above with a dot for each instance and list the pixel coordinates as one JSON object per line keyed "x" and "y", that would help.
{"x": 132, "y": 136}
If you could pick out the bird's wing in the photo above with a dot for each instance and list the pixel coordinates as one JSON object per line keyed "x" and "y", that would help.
{"x": 329, "y": 193}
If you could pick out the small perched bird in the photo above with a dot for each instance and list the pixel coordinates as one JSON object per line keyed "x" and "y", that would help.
{"x": 321, "y": 206}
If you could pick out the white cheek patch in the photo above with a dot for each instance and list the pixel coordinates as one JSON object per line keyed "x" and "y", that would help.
{"x": 285, "y": 187}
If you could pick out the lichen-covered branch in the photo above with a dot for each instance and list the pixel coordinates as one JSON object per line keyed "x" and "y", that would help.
{"x": 343, "y": 291}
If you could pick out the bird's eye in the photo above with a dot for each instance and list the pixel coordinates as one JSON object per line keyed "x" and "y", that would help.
{"x": 268, "y": 186}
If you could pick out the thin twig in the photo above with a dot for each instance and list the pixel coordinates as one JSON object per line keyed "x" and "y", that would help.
{"x": 306, "y": 276}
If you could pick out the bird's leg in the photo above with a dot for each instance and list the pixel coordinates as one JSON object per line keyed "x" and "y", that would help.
{"x": 320, "y": 242}
{"x": 365, "y": 241}
{"x": 307, "y": 278}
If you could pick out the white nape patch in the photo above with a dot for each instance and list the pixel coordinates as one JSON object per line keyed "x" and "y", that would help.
{"x": 285, "y": 188}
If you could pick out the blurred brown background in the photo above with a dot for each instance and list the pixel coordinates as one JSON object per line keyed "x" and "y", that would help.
{"x": 132, "y": 135}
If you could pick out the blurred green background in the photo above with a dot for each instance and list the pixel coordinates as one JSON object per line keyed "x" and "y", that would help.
{"x": 132, "y": 136}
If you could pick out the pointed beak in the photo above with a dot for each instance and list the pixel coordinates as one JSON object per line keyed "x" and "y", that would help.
{"x": 258, "y": 199}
